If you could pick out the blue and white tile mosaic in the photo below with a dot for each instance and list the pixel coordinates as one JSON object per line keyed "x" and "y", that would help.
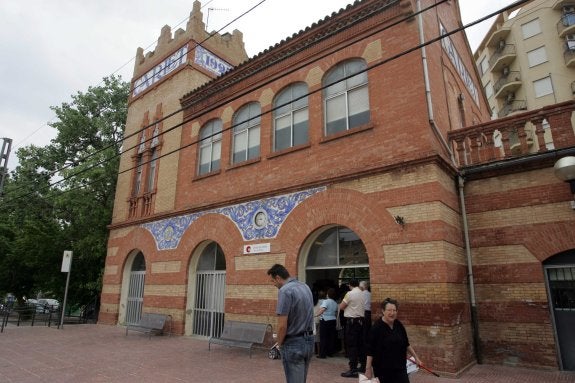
{"x": 168, "y": 232}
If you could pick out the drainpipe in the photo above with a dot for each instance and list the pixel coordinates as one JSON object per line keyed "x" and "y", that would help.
{"x": 461, "y": 182}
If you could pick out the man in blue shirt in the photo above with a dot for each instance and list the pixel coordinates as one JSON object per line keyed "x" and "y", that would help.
{"x": 295, "y": 324}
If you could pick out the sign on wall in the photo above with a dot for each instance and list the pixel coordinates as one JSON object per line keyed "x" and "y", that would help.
{"x": 210, "y": 61}
{"x": 449, "y": 48}
{"x": 161, "y": 70}
{"x": 257, "y": 248}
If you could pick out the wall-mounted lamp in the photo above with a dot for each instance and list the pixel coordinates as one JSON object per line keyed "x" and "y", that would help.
{"x": 399, "y": 220}
{"x": 565, "y": 171}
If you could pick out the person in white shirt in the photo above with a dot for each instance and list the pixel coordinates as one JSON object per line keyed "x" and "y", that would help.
{"x": 353, "y": 306}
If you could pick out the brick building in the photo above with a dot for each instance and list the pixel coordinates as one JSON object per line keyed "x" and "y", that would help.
{"x": 337, "y": 152}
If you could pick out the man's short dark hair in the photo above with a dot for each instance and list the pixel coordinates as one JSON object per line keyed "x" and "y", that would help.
{"x": 278, "y": 270}
{"x": 354, "y": 283}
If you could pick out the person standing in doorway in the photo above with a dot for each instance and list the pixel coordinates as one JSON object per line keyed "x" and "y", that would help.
{"x": 353, "y": 306}
{"x": 364, "y": 286}
{"x": 295, "y": 337}
{"x": 327, "y": 325}
{"x": 388, "y": 347}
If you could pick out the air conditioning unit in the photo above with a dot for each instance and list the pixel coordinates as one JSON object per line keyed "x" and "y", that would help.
{"x": 501, "y": 45}
{"x": 505, "y": 71}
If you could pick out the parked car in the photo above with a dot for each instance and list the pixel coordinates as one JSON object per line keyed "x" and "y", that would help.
{"x": 47, "y": 305}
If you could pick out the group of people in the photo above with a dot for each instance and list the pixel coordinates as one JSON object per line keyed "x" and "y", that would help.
{"x": 379, "y": 350}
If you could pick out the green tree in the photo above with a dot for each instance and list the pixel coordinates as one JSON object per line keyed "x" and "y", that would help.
{"x": 61, "y": 196}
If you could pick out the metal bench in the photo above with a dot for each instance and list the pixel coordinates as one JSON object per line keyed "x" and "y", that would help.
{"x": 241, "y": 334}
{"x": 149, "y": 323}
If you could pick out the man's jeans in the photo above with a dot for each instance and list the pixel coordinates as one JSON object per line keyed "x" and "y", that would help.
{"x": 296, "y": 354}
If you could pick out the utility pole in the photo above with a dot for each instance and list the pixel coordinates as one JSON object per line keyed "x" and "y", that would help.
{"x": 4, "y": 156}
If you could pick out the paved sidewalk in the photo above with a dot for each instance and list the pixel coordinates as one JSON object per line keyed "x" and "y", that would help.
{"x": 98, "y": 353}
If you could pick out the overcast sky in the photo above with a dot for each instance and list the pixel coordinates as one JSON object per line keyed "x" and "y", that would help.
{"x": 53, "y": 49}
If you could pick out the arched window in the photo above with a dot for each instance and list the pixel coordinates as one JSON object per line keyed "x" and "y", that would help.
{"x": 138, "y": 176}
{"x": 291, "y": 117}
{"x": 346, "y": 101}
{"x": 337, "y": 247}
{"x": 246, "y": 137}
{"x": 210, "y": 147}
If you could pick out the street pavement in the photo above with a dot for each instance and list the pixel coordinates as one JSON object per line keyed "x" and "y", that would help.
{"x": 100, "y": 353}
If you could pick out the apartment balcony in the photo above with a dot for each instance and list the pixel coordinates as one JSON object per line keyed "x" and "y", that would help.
{"x": 566, "y": 25}
{"x": 569, "y": 57}
{"x": 512, "y": 107}
{"x": 500, "y": 34}
{"x": 502, "y": 57}
{"x": 507, "y": 84}
{"x": 521, "y": 135}
{"x": 559, "y": 4}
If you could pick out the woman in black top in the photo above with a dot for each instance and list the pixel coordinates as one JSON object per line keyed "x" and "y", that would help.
{"x": 388, "y": 347}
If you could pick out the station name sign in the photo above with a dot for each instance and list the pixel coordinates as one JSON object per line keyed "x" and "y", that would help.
{"x": 161, "y": 70}
{"x": 210, "y": 61}
{"x": 257, "y": 248}
{"x": 449, "y": 48}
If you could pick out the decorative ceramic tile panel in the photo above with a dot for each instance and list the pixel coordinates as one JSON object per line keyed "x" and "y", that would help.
{"x": 272, "y": 213}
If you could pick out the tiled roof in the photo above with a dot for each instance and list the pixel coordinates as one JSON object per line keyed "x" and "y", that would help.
{"x": 324, "y": 28}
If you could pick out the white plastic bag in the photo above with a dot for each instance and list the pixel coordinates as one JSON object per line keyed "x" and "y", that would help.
{"x": 364, "y": 379}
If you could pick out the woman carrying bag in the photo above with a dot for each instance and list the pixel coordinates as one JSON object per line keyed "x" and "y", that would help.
{"x": 388, "y": 347}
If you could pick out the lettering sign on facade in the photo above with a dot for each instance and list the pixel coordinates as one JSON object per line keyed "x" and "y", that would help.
{"x": 257, "y": 248}
{"x": 210, "y": 61}
{"x": 449, "y": 48}
{"x": 161, "y": 70}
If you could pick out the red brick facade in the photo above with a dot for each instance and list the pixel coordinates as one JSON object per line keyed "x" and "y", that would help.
{"x": 392, "y": 181}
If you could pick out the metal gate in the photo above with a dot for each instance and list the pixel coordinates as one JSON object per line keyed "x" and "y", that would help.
{"x": 135, "y": 297}
{"x": 208, "y": 311}
{"x": 562, "y": 296}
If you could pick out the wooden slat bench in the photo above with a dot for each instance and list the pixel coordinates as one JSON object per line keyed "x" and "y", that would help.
{"x": 241, "y": 334}
{"x": 149, "y": 323}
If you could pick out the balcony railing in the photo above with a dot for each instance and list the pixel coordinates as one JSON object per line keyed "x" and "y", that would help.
{"x": 566, "y": 24}
{"x": 502, "y": 57}
{"x": 513, "y": 106}
{"x": 521, "y": 134}
{"x": 508, "y": 81}
{"x": 569, "y": 57}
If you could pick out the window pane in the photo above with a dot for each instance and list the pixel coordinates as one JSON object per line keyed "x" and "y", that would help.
{"x": 543, "y": 87}
{"x": 488, "y": 90}
{"x": 205, "y": 159}
{"x": 531, "y": 28}
{"x": 333, "y": 77}
{"x": 300, "y": 128}
{"x": 254, "y": 142}
{"x": 336, "y": 115}
{"x": 324, "y": 250}
{"x": 356, "y": 66}
{"x": 152, "y": 170}
{"x": 358, "y": 107}
{"x": 216, "y": 155}
{"x": 283, "y": 133}
{"x": 299, "y": 90}
{"x": 352, "y": 251}
{"x": 484, "y": 65}
{"x": 537, "y": 56}
{"x": 240, "y": 147}
{"x": 282, "y": 103}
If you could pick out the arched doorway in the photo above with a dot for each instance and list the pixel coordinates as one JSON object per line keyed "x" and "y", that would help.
{"x": 335, "y": 255}
{"x": 208, "y": 289}
{"x": 560, "y": 279}
{"x": 135, "y": 298}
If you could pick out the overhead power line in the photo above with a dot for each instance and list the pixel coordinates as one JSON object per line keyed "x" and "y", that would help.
{"x": 389, "y": 59}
